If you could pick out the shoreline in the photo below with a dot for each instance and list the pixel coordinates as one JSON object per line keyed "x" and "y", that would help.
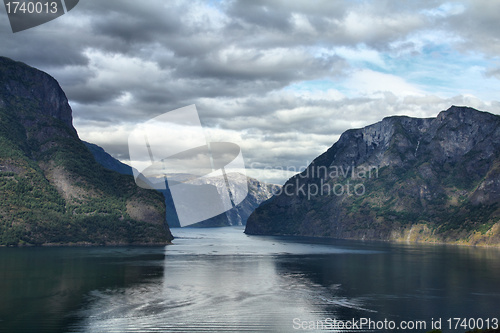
{"x": 394, "y": 241}
{"x": 84, "y": 244}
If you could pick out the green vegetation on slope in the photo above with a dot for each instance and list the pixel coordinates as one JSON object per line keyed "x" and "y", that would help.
{"x": 51, "y": 188}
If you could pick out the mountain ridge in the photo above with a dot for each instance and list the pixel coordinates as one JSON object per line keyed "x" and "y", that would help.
{"x": 437, "y": 181}
{"x": 53, "y": 190}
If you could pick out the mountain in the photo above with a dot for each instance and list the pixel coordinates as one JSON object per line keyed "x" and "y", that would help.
{"x": 108, "y": 161}
{"x": 53, "y": 191}
{"x": 258, "y": 192}
{"x": 403, "y": 179}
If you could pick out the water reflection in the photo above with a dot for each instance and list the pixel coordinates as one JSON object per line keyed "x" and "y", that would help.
{"x": 40, "y": 287}
{"x": 222, "y": 280}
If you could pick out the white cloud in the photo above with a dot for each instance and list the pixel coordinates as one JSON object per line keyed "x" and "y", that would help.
{"x": 361, "y": 54}
{"x": 362, "y": 26}
{"x": 302, "y": 25}
{"x": 370, "y": 83}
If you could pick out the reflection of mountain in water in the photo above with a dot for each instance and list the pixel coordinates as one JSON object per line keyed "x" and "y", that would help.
{"x": 220, "y": 280}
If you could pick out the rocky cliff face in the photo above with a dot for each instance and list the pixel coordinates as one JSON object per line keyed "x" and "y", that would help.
{"x": 53, "y": 191}
{"x": 21, "y": 83}
{"x": 435, "y": 180}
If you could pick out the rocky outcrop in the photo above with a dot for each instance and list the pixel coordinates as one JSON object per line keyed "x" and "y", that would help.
{"x": 408, "y": 179}
{"x": 53, "y": 191}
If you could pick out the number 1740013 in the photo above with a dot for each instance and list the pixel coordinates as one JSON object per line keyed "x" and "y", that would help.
{"x": 31, "y": 7}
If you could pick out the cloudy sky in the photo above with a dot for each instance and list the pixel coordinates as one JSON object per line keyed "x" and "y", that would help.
{"x": 283, "y": 79}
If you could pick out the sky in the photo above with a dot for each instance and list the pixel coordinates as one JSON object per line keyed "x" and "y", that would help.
{"x": 282, "y": 79}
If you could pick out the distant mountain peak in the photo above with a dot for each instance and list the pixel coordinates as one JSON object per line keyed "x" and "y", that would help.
{"x": 462, "y": 113}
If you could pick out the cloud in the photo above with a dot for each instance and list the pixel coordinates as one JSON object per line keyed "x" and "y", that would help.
{"x": 282, "y": 78}
{"x": 369, "y": 83}
{"x": 478, "y": 25}
{"x": 495, "y": 72}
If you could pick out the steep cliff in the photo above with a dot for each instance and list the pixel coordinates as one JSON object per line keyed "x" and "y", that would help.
{"x": 433, "y": 180}
{"x": 52, "y": 189}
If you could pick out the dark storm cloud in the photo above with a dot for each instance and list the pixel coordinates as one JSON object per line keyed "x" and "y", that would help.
{"x": 200, "y": 55}
{"x": 131, "y": 24}
{"x": 124, "y": 61}
{"x": 337, "y": 23}
{"x": 86, "y": 94}
{"x": 241, "y": 47}
{"x": 231, "y": 49}
{"x": 41, "y": 50}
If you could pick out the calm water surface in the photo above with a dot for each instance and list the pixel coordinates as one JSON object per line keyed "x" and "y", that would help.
{"x": 220, "y": 280}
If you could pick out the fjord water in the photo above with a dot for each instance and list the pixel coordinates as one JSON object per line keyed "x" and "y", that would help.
{"x": 221, "y": 280}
